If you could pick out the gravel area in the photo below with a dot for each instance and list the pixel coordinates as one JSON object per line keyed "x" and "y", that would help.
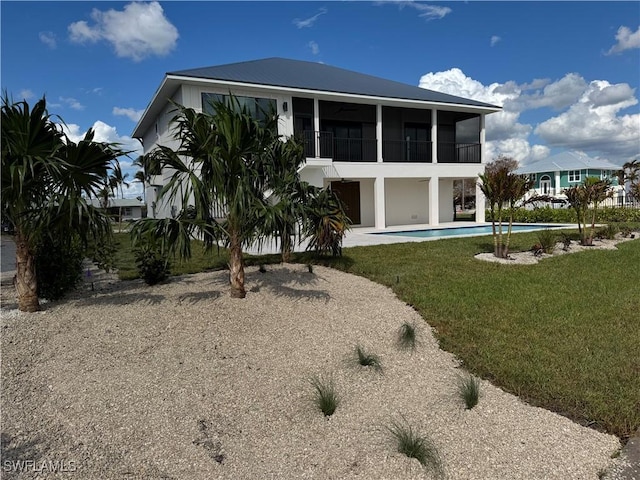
{"x": 180, "y": 381}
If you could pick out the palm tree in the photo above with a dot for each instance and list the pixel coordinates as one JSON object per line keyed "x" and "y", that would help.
{"x": 503, "y": 188}
{"x": 590, "y": 193}
{"x": 325, "y": 221}
{"x": 225, "y": 156}
{"x": 46, "y": 182}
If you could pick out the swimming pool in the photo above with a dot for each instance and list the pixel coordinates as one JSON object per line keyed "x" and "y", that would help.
{"x": 469, "y": 231}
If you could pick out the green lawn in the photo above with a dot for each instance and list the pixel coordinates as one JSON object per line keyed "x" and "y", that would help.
{"x": 563, "y": 334}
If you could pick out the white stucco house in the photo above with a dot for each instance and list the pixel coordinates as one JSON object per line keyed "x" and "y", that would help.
{"x": 391, "y": 151}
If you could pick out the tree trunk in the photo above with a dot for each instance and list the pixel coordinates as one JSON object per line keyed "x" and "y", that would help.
{"x": 236, "y": 268}
{"x": 26, "y": 282}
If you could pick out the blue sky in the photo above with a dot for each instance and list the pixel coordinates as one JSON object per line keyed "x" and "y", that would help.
{"x": 566, "y": 73}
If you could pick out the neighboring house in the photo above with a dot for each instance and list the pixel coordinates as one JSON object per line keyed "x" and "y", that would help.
{"x": 130, "y": 208}
{"x": 556, "y": 173}
{"x": 390, "y": 150}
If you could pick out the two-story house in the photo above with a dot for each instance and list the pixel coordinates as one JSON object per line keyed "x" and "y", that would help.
{"x": 391, "y": 151}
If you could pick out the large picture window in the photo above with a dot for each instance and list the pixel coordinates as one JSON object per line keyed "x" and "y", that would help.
{"x": 258, "y": 108}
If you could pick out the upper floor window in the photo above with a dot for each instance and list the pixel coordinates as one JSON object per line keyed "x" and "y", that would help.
{"x": 574, "y": 176}
{"x": 258, "y": 108}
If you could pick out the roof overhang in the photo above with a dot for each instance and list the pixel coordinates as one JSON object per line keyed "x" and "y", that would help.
{"x": 171, "y": 83}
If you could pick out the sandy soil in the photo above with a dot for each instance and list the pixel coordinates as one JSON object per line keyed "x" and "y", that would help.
{"x": 179, "y": 381}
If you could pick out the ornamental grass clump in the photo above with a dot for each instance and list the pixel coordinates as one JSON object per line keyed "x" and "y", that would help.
{"x": 407, "y": 337}
{"x": 415, "y": 445}
{"x": 368, "y": 359}
{"x": 325, "y": 395}
{"x": 469, "y": 390}
{"x": 547, "y": 240}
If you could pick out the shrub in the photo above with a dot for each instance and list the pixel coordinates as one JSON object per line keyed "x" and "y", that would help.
{"x": 368, "y": 359}
{"x": 407, "y": 336}
{"x": 414, "y": 445}
{"x": 469, "y": 390}
{"x": 608, "y": 231}
{"x": 59, "y": 266}
{"x": 325, "y": 396}
{"x": 153, "y": 266}
{"x": 547, "y": 240}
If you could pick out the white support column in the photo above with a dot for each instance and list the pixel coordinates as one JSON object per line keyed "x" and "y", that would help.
{"x": 483, "y": 137}
{"x": 434, "y": 201}
{"x": 434, "y": 136}
{"x": 480, "y": 204}
{"x": 557, "y": 183}
{"x": 379, "y": 131}
{"x": 379, "y": 203}
{"x": 316, "y": 125}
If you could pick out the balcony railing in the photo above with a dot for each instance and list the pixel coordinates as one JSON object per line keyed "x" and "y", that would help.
{"x": 449, "y": 152}
{"x": 406, "y": 151}
{"x": 325, "y": 145}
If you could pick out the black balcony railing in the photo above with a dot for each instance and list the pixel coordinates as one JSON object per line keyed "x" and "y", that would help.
{"x": 406, "y": 151}
{"x": 459, "y": 152}
{"x": 325, "y": 145}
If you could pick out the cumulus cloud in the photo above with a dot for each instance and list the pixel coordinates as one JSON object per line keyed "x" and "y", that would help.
{"x": 595, "y": 122}
{"x": 132, "y": 114}
{"x": 71, "y": 103}
{"x": 315, "y": 49}
{"x": 494, "y": 40}
{"x": 588, "y": 116}
{"x": 138, "y": 31}
{"x": 626, "y": 40}
{"x": 49, "y": 39}
{"x": 308, "y": 22}
{"x": 428, "y": 12}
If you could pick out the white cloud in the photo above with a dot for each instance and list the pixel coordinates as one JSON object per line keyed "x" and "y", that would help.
{"x": 315, "y": 49}
{"x": 594, "y": 122}
{"x": 49, "y": 39}
{"x": 140, "y": 30}
{"x": 588, "y": 115}
{"x": 494, "y": 40}
{"x": 429, "y": 12}
{"x": 71, "y": 103}
{"x": 308, "y": 22}
{"x": 626, "y": 40}
{"x": 25, "y": 94}
{"x": 134, "y": 115}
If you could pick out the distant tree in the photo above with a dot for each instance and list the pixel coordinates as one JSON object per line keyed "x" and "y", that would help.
{"x": 589, "y": 194}
{"x": 629, "y": 178}
{"x": 47, "y": 181}
{"x": 503, "y": 189}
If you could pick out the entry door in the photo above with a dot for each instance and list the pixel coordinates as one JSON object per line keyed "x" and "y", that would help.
{"x": 545, "y": 185}
{"x": 349, "y": 193}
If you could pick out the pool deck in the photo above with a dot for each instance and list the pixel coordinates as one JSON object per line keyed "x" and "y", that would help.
{"x": 364, "y": 236}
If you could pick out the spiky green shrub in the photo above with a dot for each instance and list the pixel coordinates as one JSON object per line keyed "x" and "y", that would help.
{"x": 407, "y": 336}
{"x": 325, "y": 395}
{"x": 415, "y": 445}
{"x": 607, "y": 231}
{"x": 368, "y": 359}
{"x": 547, "y": 240}
{"x": 59, "y": 266}
{"x": 469, "y": 390}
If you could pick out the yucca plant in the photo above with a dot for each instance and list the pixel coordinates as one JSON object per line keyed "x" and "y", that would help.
{"x": 415, "y": 445}
{"x": 469, "y": 390}
{"x": 325, "y": 395}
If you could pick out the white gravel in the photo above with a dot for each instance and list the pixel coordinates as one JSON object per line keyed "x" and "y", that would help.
{"x": 180, "y": 381}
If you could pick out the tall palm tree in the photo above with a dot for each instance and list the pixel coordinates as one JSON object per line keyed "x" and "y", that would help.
{"x": 220, "y": 161}
{"x": 46, "y": 182}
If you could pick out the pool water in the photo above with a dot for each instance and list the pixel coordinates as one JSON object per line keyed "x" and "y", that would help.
{"x": 462, "y": 231}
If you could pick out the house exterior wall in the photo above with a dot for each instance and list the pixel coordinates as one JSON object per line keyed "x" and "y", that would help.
{"x": 391, "y": 193}
{"x": 407, "y": 201}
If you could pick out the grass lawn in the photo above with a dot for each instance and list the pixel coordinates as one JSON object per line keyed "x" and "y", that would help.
{"x": 563, "y": 334}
